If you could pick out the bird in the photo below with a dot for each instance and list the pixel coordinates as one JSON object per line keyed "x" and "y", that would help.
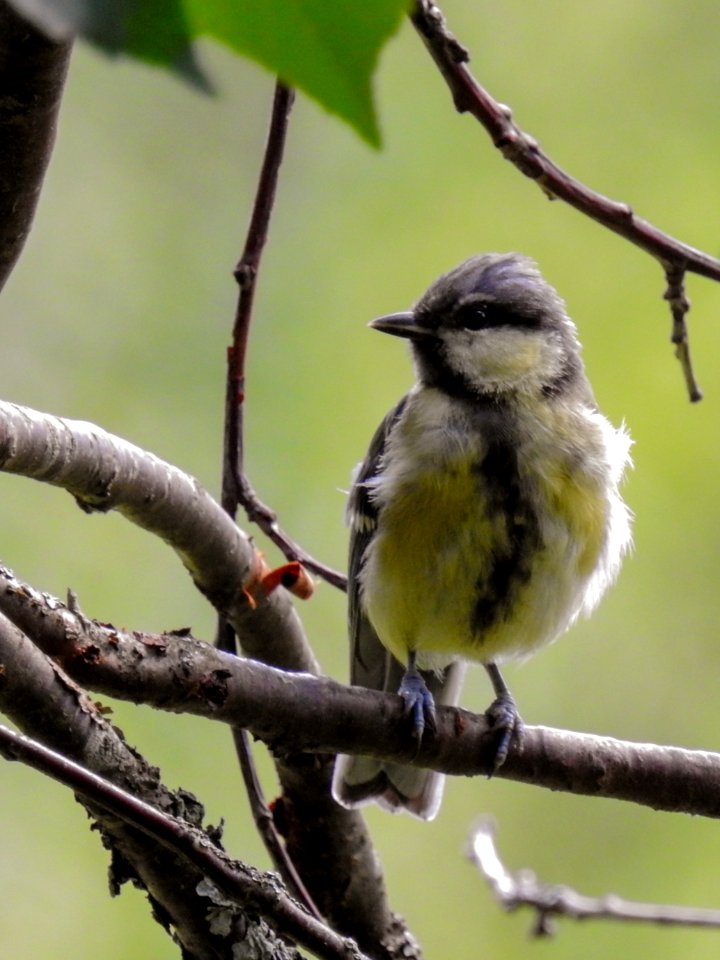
{"x": 486, "y": 516}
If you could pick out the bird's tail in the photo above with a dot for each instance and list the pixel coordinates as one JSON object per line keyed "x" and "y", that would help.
{"x": 361, "y": 780}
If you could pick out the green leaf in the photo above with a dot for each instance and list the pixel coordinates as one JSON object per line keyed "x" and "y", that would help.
{"x": 156, "y": 31}
{"x": 327, "y": 48}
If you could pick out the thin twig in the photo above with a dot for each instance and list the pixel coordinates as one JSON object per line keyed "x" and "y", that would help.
{"x": 523, "y": 889}
{"x": 250, "y": 888}
{"x": 266, "y": 518}
{"x": 236, "y": 488}
{"x": 524, "y": 152}
{"x": 259, "y": 809}
{"x": 246, "y": 273}
{"x": 679, "y": 306}
{"x": 265, "y": 825}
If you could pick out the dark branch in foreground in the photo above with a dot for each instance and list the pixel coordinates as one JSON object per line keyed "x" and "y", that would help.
{"x": 295, "y": 714}
{"x": 32, "y": 77}
{"x": 523, "y": 889}
{"x": 524, "y": 152}
{"x": 251, "y": 888}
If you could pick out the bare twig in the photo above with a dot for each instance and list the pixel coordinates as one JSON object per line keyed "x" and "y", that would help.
{"x": 524, "y": 152}
{"x": 249, "y": 888}
{"x": 523, "y": 889}
{"x": 329, "y": 846}
{"x": 679, "y": 306}
{"x": 297, "y": 713}
{"x": 261, "y": 814}
{"x": 265, "y": 517}
{"x": 236, "y": 487}
{"x": 265, "y": 825}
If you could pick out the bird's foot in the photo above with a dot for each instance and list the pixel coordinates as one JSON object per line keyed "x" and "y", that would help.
{"x": 419, "y": 703}
{"x": 506, "y": 723}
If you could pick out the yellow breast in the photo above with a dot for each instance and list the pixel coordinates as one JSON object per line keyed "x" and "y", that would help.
{"x": 434, "y": 541}
{"x": 488, "y": 549}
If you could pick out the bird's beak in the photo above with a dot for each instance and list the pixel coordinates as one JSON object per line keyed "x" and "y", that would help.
{"x": 401, "y": 325}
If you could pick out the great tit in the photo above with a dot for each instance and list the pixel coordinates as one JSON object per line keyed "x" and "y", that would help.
{"x": 486, "y": 515}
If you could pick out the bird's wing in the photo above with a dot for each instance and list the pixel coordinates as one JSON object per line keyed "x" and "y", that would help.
{"x": 358, "y": 780}
{"x": 369, "y": 661}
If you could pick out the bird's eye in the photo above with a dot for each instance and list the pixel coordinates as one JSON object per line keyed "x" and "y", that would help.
{"x": 478, "y": 316}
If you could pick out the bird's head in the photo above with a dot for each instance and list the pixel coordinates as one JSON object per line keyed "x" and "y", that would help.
{"x": 491, "y": 326}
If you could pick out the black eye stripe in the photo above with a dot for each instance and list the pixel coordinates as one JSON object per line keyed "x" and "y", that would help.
{"x": 480, "y": 316}
{"x": 484, "y": 315}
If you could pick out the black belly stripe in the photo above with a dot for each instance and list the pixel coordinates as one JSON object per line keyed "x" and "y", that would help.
{"x": 511, "y": 511}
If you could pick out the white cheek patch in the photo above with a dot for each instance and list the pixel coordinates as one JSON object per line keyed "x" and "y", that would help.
{"x": 504, "y": 357}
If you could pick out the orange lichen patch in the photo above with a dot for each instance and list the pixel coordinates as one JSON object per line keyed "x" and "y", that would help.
{"x": 292, "y": 576}
{"x": 259, "y": 570}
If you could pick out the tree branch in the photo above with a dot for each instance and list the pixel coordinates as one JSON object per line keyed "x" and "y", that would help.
{"x": 104, "y": 472}
{"x": 299, "y": 713}
{"x": 524, "y": 152}
{"x": 39, "y": 697}
{"x": 523, "y": 889}
{"x": 32, "y": 77}
{"x": 338, "y": 863}
{"x": 254, "y": 890}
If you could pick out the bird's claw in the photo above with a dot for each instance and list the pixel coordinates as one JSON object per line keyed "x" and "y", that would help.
{"x": 506, "y": 723}
{"x": 419, "y": 703}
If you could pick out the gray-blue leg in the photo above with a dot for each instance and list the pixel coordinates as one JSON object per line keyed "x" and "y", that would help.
{"x": 419, "y": 702}
{"x": 503, "y": 716}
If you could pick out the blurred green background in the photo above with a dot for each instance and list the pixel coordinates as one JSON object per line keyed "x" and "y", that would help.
{"x": 120, "y": 311}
